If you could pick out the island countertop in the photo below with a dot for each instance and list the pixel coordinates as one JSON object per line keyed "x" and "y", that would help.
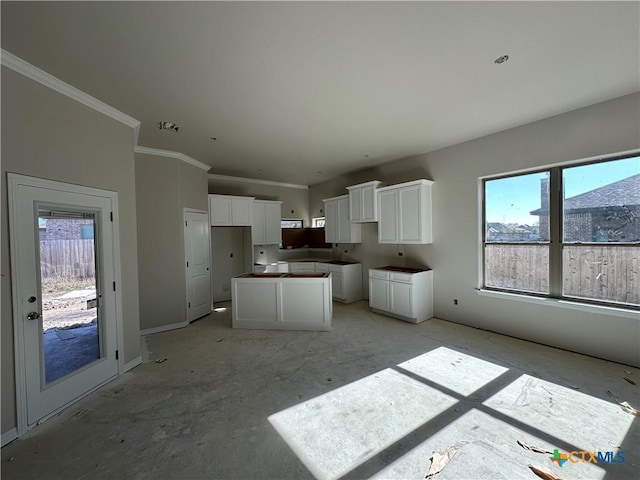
{"x": 282, "y": 275}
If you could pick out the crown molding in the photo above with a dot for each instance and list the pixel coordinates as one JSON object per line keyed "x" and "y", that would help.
{"x": 169, "y": 154}
{"x": 227, "y": 178}
{"x": 34, "y": 73}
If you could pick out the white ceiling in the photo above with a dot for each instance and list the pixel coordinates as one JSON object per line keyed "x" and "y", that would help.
{"x": 291, "y": 89}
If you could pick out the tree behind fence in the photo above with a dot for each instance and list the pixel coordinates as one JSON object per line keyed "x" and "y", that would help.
{"x": 69, "y": 259}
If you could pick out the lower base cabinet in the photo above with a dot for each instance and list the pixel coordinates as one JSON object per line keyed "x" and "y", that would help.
{"x": 407, "y": 295}
{"x": 346, "y": 280}
{"x": 272, "y": 301}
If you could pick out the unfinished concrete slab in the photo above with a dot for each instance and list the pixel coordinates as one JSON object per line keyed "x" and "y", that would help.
{"x": 374, "y": 396}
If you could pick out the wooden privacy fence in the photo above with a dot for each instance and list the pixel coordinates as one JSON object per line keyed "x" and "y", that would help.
{"x": 599, "y": 272}
{"x": 71, "y": 259}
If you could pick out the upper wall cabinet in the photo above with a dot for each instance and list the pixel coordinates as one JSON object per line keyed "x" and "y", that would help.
{"x": 337, "y": 227}
{"x": 230, "y": 211}
{"x": 404, "y": 213}
{"x": 266, "y": 222}
{"x": 363, "y": 202}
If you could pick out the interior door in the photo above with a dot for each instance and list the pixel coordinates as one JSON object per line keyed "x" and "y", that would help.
{"x": 198, "y": 264}
{"x": 64, "y": 292}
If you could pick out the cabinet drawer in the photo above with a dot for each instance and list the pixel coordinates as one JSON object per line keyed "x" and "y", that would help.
{"x": 400, "y": 277}
{"x": 379, "y": 274}
{"x": 322, "y": 267}
{"x": 335, "y": 268}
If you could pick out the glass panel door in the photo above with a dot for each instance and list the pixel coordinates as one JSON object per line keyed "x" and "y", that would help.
{"x": 70, "y": 334}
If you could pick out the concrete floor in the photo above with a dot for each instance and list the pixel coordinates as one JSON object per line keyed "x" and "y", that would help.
{"x": 374, "y": 397}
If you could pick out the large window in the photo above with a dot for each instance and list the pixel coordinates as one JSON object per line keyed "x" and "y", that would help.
{"x": 566, "y": 232}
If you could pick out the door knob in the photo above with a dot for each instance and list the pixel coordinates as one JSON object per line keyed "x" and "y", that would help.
{"x": 33, "y": 316}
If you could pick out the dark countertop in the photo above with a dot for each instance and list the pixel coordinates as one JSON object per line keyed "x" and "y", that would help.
{"x": 282, "y": 275}
{"x": 319, "y": 260}
{"x": 392, "y": 268}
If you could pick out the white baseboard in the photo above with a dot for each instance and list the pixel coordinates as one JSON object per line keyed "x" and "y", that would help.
{"x": 163, "y": 328}
{"x": 132, "y": 364}
{"x": 9, "y": 436}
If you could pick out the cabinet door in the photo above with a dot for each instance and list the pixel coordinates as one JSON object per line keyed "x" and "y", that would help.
{"x": 400, "y": 300}
{"x": 331, "y": 221}
{"x": 410, "y": 214}
{"x": 219, "y": 210}
{"x": 387, "y": 216}
{"x": 368, "y": 207}
{"x": 344, "y": 225}
{"x": 379, "y": 294}
{"x": 337, "y": 285}
{"x": 355, "y": 205}
{"x": 241, "y": 210}
{"x": 258, "y": 227}
{"x": 272, "y": 217}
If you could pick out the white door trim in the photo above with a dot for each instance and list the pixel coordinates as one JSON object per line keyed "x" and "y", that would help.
{"x": 13, "y": 182}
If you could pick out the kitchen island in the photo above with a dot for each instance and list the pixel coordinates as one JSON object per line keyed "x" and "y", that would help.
{"x": 282, "y": 301}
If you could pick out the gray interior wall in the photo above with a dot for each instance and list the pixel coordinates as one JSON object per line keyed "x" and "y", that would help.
{"x": 192, "y": 187}
{"x": 161, "y": 276}
{"x": 600, "y": 129}
{"x": 296, "y": 199}
{"x": 163, "y": 187}
{"x": 48, "y": 135}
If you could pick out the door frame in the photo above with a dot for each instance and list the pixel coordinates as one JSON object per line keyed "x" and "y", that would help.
{"x": 185, "y": 211}
{"x": 13, "y": 182}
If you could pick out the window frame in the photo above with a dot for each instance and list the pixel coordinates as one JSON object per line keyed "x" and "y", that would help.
{"x": 556, "y": 242}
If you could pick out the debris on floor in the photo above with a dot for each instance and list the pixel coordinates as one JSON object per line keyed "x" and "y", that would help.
{"x": 440, "y": 460}
{"x": 161, "y": 360}
{"x": 629, "y": 380}
{"x": 533, "y": 448}
{"x": 543, "y": 474}
{"x": 624, "y": 405}
{"x": 629, "y": 409}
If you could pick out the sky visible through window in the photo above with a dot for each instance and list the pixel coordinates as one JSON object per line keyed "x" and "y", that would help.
{"x": 509, "y": 200}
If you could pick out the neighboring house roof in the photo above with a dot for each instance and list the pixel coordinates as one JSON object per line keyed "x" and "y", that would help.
{"x": 625, "y": 192}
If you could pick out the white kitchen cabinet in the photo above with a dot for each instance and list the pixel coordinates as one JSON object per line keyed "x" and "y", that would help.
{"x": 346, "y": 279}
{"x": 302, "y": 267}
{"x": 379, "y": 290}
{"x": 363, "y": 202}
{"x": 230, "y": 210}
{"x": 265, "y": 228}
{"x": 338, "y": 227}
{"x": 276, "y": 301}
{"x": 404, "y": 213}
{"x": 403, "y": 293}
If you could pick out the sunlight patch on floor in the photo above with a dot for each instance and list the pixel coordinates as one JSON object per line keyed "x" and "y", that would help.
{"x": 464, "y": 374}
{"x": 584, "y": 421}
{"x": 334, "y": 433}
{"x": 486, "y": 448}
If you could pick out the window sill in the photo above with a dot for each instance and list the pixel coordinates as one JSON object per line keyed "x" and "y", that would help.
{"x": 554, "y": 302}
